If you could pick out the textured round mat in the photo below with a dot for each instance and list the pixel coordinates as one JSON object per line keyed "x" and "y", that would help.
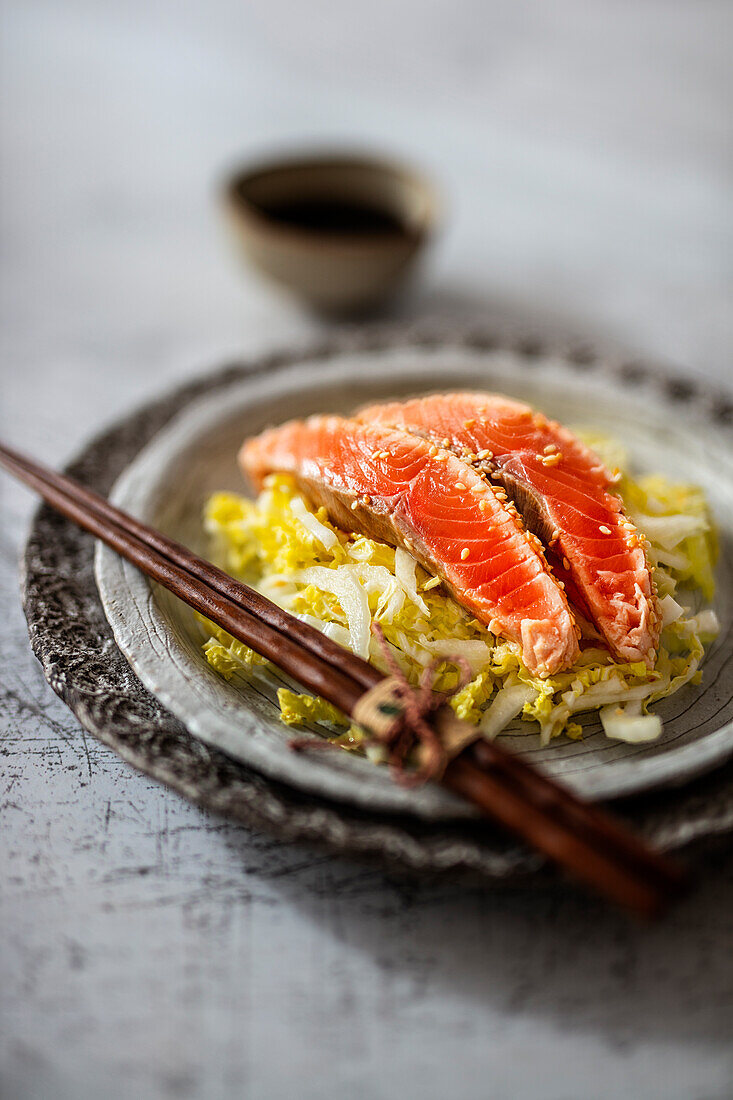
{"x": 71, "y": 638}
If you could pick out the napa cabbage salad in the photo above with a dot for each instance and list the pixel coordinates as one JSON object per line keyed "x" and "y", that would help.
{"x": 341, "y": 583}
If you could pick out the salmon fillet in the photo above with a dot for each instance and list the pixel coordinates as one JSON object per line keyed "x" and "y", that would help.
{"x": 401, "y": 489}
{"x": 562, "y": 490}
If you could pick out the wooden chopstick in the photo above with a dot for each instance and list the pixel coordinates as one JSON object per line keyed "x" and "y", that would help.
{"x": 579, "y": 837}
{"x": 597, "y": 827}
{"x": 245, "y": 597}
{"x": 572, "y": 849}
{"x": 335, "y": 685}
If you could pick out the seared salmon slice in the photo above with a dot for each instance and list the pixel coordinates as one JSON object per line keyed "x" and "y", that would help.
{"x": 406, "y": 491}
{"x": 564, "y": 493}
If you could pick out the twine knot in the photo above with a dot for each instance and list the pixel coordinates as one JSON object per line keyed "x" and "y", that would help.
{"x": 395, "y": 716}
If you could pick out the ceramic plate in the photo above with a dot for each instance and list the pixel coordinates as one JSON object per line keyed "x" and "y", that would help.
{"x": 168, "y": 482}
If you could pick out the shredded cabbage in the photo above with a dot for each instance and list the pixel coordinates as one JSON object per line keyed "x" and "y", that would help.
{"x": 341, "y": 583}
{"x": 295, "y": 708}
{"x": 622, "y": 725}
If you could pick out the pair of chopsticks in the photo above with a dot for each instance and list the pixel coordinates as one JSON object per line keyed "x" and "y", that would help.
{"x": 582, "y": 839}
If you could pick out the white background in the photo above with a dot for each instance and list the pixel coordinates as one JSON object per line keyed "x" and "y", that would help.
{"x": 583, "y": 150}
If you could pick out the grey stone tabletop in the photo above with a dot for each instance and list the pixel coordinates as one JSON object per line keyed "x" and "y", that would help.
{"x": 148, "y": 949}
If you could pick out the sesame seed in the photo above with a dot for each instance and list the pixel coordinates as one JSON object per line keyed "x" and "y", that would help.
{"x": 366, "y": 499}
{"x": 460, "y": 485}
{"x": 432, "y": 583}
{"x": 432, "y": 450}
{"x": 550, "y": 449}
{"x": 484, "y": 505}
{"x": 464, "y": 553}
{"x": 486, "y": 453}
{"x": 566, "y": 563}
{"x": 468, "y": 423}
{"x": 604, "y": 530}
{"x": 478, "y": 488}
{"x": 354, "y": 505}
{"x": 551, "y": 460}
{"x": 446, "y": 442}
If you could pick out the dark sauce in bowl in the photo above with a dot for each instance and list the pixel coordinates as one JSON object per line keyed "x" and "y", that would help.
{"x": 335, "y": 216}
{"x": 339, "y": 231}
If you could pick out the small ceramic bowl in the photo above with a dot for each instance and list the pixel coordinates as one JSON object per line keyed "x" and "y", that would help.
{"x": 339, "y": 231}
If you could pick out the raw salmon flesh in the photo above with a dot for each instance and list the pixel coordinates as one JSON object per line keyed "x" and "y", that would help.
{"x": 565, "y": 496}
{"x": 406, "y": 490}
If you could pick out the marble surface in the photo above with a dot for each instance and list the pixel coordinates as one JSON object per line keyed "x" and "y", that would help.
{"x": 147, "y": 949}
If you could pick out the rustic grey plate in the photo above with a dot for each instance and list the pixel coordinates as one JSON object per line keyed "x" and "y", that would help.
{"x": 168, "y": 482}
{"x": 70, "y": 636}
